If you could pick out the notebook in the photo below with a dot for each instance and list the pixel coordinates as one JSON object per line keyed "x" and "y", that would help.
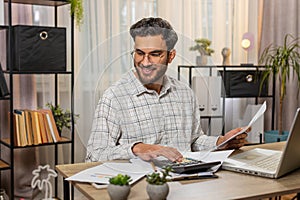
{"x": 269, "y": 163}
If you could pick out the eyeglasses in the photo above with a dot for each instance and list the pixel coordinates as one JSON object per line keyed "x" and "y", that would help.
{"x": 153, "y": 57}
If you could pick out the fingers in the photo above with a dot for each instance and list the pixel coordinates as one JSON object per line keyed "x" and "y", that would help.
{"x": 148, "y": 152}
{"x": 170, "y": 153}
{"x": 236, "y": 143}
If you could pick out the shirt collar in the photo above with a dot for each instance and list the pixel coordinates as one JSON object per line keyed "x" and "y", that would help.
{"x": 138, "y": 88}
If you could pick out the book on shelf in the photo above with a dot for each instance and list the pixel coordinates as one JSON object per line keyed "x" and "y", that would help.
{"x": 42, "y": 127}
{"x": 33, "y": 127}
{"x": 28, "y": 124}
{"x": 36, "y": 127}
{"x": 17, "y": 140}
{"x": 52, "y": 124}
{"x": 21, "y": 127}
{"x": 3, "y": 85}
{"x": 47, "y": 128}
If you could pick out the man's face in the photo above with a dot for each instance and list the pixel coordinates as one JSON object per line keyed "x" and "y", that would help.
{"x": 151, "y": 59}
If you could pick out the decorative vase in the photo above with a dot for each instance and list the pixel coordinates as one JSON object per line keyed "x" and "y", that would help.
{"x": 118, "y": 192}
{"x": 201, "y": 60}
{"x": 157, "y": 192}
{"x": 273, "y": 136}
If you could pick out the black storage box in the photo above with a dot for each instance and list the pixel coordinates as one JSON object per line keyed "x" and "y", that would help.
{"x": 37, "y": 48}
{"x": 244, "y": 83}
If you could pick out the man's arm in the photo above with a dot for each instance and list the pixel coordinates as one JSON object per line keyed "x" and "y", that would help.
{"x": 103, "y": 142}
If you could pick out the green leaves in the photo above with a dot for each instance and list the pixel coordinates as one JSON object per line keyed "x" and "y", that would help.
{"x": 159, "y": 178}
{"x": 62, "y": 118}
{"x": 279, "y": 60}
{"x": 202, "y": 46}
{"x": 120, "y": 179}
{"x": 77, "y": 11}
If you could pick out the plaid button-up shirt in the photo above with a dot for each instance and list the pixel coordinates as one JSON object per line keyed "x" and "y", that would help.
{"x": 129, "y": 113}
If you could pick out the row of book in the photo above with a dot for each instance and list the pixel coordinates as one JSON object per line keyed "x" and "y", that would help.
{"x": 33, "y": 127}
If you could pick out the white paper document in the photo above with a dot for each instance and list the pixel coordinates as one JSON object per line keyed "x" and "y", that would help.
{"x": 204, "y": 156}
{"x": 208, "y": 156}
{"x": 137, "y": 169}
{"x": 259, "y": 113}
{"x": 101, "y": 173}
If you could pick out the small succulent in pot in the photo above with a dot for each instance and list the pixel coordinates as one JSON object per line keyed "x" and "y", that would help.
{"x": 157, "y": 188}
{"x": 119, "y": 188}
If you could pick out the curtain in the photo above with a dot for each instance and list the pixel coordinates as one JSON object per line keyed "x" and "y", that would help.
{"x": 104, "y": 45}
{"x": 103, "y": 56}
{"x": 279, "y": 19}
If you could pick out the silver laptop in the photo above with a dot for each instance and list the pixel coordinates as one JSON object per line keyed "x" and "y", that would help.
{"x": 269, "y": 163}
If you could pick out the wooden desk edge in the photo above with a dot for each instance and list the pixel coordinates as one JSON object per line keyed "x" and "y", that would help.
{"x": 65, "y": 171}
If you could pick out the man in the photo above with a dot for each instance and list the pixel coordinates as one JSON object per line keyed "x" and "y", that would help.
{"x": 147, "y": 113}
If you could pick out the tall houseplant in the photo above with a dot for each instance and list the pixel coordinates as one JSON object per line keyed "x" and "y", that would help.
{"x": 281, "y": 61}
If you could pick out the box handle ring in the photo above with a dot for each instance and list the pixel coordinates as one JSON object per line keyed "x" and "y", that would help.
{"x": 44, "y": 35}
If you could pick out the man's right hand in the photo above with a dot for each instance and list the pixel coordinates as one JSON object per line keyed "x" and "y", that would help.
{"x": 150, "y": 151}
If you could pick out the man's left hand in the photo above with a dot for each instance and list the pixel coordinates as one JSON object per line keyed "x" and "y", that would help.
{"x": 236, "y": 142}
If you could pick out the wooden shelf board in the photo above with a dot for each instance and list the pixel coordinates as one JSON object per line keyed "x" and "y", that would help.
{"x": 63, "y": 140}
{"x": 3, "y": 165}
{"x": 40, "y": 2}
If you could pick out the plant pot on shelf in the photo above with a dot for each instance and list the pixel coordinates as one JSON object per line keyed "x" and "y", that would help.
{"x": 118, "y": 192}
{"x": 273, "y": 136}
{"x": 157, "y": 192}
{"x": 201, "y": 60}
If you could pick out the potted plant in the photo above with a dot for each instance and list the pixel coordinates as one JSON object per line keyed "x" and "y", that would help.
{"x": 203, "y": 47}
{"x": 157, "y": 187}
{"x": 118, "y": 187}
{"x": 62, "y": 118}
{"x": 76, "y": 10}
{"x": 281, "y": 61}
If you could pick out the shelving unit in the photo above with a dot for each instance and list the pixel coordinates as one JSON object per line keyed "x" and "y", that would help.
{"x": 190, "y": 76}
{"x": 222, "y": 71}
{"x": 8, "y": 143}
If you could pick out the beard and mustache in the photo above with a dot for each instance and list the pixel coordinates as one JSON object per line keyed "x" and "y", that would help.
{"x": 151, "y": 74}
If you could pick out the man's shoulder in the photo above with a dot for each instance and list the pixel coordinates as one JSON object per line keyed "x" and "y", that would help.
{"x": 178, "y": 84}
{"x": 120, "y": 86}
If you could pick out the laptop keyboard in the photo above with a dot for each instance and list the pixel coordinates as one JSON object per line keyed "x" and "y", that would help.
{"x": 269, "y": 163}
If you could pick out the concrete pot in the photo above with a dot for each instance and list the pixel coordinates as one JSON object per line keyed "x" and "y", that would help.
{"x": 118, "y": 192}
{"x": 157, "y": 192}
{"x": 201, "y": 60}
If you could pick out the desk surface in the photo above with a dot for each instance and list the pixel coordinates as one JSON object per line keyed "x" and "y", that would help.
{"x": 229, "y": 185}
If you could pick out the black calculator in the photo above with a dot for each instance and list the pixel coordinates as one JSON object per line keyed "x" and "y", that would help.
{"x": 187, "y": 166}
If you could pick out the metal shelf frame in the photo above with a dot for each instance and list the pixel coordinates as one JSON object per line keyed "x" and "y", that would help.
{"x": 10, "y": 142}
